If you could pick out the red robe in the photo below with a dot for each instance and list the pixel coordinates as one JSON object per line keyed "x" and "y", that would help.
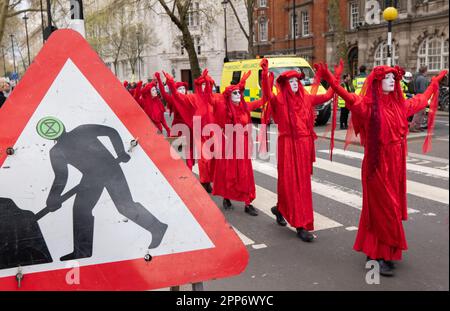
{"x": 233, "y": 177}
{"x": 381, "y": 121}
{"x": 381, "y": 234}
{"x": 154, "y": 108}
{"x": 295, "y": 116}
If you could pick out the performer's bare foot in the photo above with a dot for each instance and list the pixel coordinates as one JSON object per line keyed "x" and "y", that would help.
{"x": 305, "y": 235}
{"x": 251, "y": 210}
{"x": 280, "y": 219}
{"x": 227, "y": 204}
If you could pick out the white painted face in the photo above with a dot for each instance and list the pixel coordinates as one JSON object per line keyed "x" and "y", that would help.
{"x": 203, "y": 86}
{"x": 236, "y": 97}
{"x": 154, "y": 92}
{"x": 388, "y": 83}
{"x": 294, "y": 84}
{"x": 181, "y": 90}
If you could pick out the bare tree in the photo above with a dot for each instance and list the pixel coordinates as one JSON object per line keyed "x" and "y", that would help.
{"x": 178, "y": 11}
{"x": 8, "y": 9}
{"x": 248, "y": 33}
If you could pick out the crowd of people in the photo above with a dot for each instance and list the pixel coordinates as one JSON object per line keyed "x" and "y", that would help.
{"x": 379, "y": 108}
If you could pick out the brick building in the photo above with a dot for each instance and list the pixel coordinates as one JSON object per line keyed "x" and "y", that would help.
{"x": 275, "y": 28}
{"x": 420, "y": 33}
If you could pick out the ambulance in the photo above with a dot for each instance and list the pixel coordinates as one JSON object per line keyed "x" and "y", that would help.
{"x": 233, "y": 71}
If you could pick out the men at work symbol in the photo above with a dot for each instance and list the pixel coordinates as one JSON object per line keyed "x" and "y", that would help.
{"x": 82, "y": 149}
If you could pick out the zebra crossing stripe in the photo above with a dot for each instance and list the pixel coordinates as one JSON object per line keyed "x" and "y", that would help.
{"x": 414, "y": 188}
{"x": 329, "y": 190}
{"x": 245, "y": 239}
{"x": 423, "y": 170}
{"x": 266, "y": 199}
{"x": 427, "y": 157}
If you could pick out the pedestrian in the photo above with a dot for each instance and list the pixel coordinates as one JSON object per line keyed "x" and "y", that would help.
{"x": 4, "y": 88}
{"x": 359, "y": 80}
{"x": 293, "y": 111}
{"x": 233, "y": 175}
{"x": 152, "y": 105}
{"x": 379, "y": 116}
{"x": 420, "y": 85}
{"x": 348, "y": 85}
{"x": 406, "y": 84}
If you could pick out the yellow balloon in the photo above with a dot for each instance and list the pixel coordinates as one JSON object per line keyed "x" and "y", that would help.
{"x": 390, "y": 14}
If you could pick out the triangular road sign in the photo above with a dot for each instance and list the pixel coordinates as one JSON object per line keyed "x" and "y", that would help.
{"x": 78, "y": 209}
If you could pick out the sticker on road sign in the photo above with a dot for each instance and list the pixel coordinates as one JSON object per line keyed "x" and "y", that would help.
{"x": 72, "y": 194}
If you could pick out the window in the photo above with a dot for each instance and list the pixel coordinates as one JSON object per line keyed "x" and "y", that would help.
{"x": 236, "y": 77}
{"x": 305, "y": 24}
{"x": 263, "y": 29}
{"x": 433, "y": 53}
{"x": 295, "y": 26}
{"x": 354, "y": 15}
{"x": 193, "y": 17}
{"x": 263, "y": 3}
{"x": 380, "y": 57}
{"x": 199, "y": 45}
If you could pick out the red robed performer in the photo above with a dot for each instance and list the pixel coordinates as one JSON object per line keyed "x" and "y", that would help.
{"x": 199, "y": 104}
{"x": 182, "y": 109}
{"x": 204, "y": 100}
{"x": 153, "y": 107}
{"x": 294, "y": 113}
{"x": 233, "y": 176}
{"x": 380, "y": 117}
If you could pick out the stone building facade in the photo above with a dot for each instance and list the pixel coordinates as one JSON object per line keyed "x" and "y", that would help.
{"x": 420, "y": 35}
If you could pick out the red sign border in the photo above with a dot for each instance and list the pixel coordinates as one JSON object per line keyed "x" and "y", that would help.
{"x": 229, "y": 256}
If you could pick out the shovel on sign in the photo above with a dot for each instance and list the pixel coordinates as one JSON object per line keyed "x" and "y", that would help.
{"x": 21, "y": 239}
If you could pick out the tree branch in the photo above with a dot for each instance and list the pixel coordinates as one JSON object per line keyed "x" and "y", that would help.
{"x": 239, "y": 20}
{"x": 15, "y": 13}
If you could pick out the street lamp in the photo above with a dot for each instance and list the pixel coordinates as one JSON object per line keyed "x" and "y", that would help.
{"x": 25, "y": 18}
{"x": 42, "y": 22}
{"x": 390, "y": 14}
{"x": 14, "y": 57}
{"x": 4, "y": 63}
{"x": 224, "y": 5}
{"x": 138, "y": 54}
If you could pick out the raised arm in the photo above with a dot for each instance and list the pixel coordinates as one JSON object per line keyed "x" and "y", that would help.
{"x": 349, "y": 98}
{"x": 138, "y": 91}
{"x": 420, "y": 101}
{"x": 167, "y": 97}
{"x": 266, "y": 86}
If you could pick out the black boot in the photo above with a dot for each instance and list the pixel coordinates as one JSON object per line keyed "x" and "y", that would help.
{"x": 251, "y": 210}
{"x": 305, "y": 235}
{"x": 280, "y": 220}
{"x": 207, "y": 187}
{"x": 390, "y": 263}
{"x": 385, "y": 269}
{"x": 227, "y": 204}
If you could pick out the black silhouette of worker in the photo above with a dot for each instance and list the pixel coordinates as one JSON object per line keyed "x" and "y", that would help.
{"x": 82, "y": 149}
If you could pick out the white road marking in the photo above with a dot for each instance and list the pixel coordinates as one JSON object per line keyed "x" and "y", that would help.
{"x": 413, "y": 188}
{"x": 266, "y": 199}
{"x": 427, "y": 157}
{"x": 245, "y": 239}
{"x": 416, "y": 168}
{"x": 329, "y": 190}
{"x": 352, "y": 228}
{"x": 259, "y": 246}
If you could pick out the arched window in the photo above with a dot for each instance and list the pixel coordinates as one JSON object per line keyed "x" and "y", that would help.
{"x": 381, "y": 53}
{"x": 433, "y": 53}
